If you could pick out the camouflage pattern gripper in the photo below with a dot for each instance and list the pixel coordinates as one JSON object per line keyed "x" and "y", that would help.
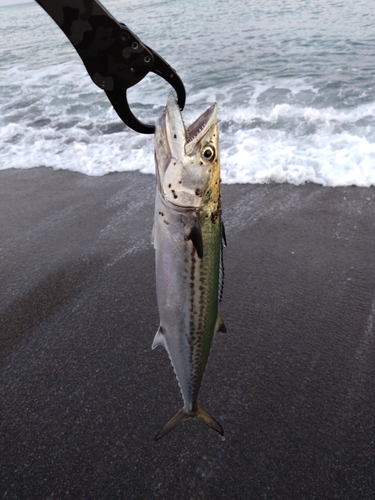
{"x": 115, "y": 58}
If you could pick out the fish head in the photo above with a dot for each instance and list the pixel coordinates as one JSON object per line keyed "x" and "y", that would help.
{"x": 187, "y": 160}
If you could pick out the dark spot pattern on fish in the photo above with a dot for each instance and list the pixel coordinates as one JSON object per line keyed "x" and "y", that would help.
{"x": 197, "y": 309}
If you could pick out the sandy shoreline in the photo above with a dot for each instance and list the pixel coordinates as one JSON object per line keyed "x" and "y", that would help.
{"x": 292, "y": 381}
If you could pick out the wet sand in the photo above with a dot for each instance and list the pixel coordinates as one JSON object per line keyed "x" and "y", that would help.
{"x": 83, "y": 394}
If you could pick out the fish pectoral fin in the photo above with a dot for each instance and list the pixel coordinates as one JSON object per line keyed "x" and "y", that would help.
{"x": 183, "y": 414}
{"x": 196, "y": 238}
{"x": 154, "y": 235}
{"x": 219, "y": 326}
{"x": 159, "y": 339}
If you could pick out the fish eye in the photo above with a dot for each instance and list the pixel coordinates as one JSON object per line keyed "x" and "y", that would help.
{"x": 208, "y": 153}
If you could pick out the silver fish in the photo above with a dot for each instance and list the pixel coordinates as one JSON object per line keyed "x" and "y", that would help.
{"x": 188, "y": 237}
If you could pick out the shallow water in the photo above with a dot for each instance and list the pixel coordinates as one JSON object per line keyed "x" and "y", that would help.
{"x": 294, "y": 82}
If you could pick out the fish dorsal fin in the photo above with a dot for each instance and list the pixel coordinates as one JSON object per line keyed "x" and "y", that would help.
{"x": 223, "y": 243}
{"x": 223, "y": 236}
{"x": 219, "y": 326}
{"x": 159, "y": 339}
{"x": 196, "y": 238}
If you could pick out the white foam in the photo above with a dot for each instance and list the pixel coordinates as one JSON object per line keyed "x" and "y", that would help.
{"x": 272, "y": 156}
{"x": 331, "y": 155}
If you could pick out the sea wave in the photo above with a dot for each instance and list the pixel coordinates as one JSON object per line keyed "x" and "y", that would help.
{"x": 288, "y": 111}
{"x": 285, "y": 144}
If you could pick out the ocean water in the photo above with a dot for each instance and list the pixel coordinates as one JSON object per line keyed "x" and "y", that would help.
{"x": 294, "y": 81}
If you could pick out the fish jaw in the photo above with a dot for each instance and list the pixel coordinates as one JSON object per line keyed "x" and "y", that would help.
{"x": 187, "y": 160}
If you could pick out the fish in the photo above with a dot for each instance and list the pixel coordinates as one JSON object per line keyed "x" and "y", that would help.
{"x": 188, "y": 237}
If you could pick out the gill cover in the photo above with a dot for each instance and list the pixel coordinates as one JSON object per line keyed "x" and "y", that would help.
{"x": 186, "y": 158}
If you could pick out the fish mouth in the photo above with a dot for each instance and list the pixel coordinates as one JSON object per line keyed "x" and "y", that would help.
{"x": 178, "y": 140}
{"x": 198, "y": 129}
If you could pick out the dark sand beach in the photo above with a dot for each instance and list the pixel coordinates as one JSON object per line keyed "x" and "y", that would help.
{"x": 83, "y": 394}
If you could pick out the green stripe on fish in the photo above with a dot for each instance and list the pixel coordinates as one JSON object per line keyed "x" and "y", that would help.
{"x": 188, "y": 237}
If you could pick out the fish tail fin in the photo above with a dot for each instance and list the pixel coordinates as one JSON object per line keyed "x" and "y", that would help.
{"x": 183, "y": 414}
{"x": 209, "y": 420}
